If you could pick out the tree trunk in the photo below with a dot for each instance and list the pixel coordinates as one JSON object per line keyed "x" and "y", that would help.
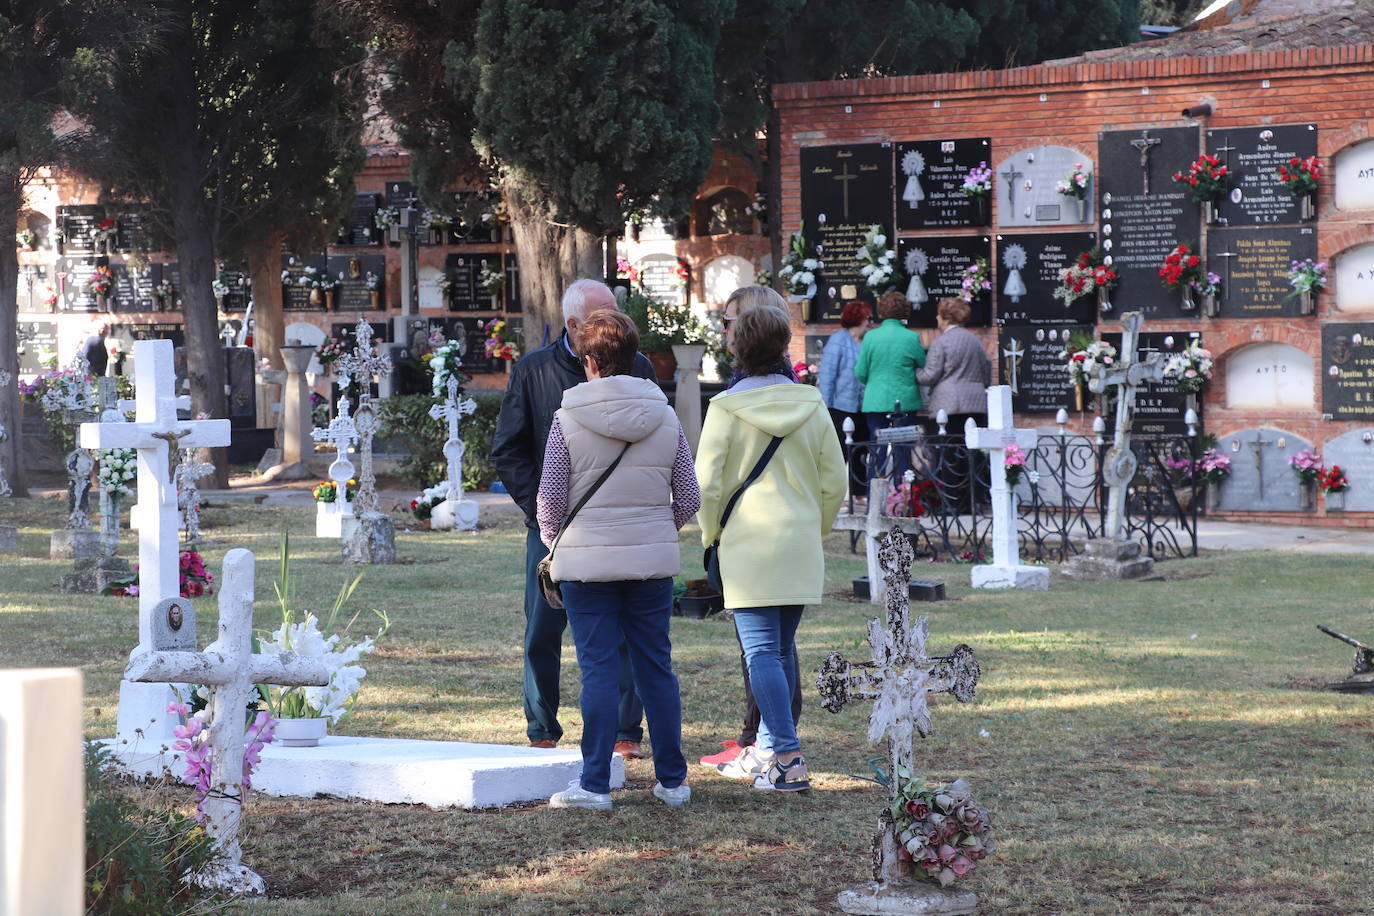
{"x": 10, "y": 450}
{"x": 551, "y": 257}
{"x": 269, "y": 318}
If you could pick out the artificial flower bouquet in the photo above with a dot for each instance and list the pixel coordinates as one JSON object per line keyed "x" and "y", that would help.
{"x": 444, "y": 361}
{"x": 1085, "y": 276}
{"x": 799, "y": 267}
{"x": 1190, "y": 369}
{"x": 1300, "y": 176}
{"x": 491, "y": 281}
{"x": 327, "y": 491}
{"x": 1307, "y": 464}
{"x": 1333, "y": 480}
{"x": 940, "y": 830}
{"x": 977, "y": 280}
{"x": 1083, "y": 359}
{"x": 101, "y": 282}
{"x": 912, "y": 498}
{"x": 329, "y": 351}
{"x": 1014, "y": 462}
{"x": 977, "y": 181}
{"x": 1205, "y": 180}
{"x": 1181, "y": 268}
{"x": 118, "y": 469}
{"x": 1307, "y": 276}
{"x": 1211, "y": 467}
{"x": 502, "y": 341}
{"x": 196, "y": 580}
{"x": 422, "y": 506}
{"x": 807, "y": 375}
{"x": 193, "y": 741}
{"x": 1076, "y": 184}
{"x": 877, "y": 261}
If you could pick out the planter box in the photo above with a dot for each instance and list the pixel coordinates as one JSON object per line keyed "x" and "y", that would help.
{"x": 917, "y": 589}
{"x": 700, "y": 606}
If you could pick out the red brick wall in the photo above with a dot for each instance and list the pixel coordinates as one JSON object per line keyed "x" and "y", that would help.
{"x": 1331, "y": 87}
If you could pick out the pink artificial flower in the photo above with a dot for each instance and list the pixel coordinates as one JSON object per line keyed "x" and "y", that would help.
{"x": 961, "y": 866}
{"x": 180, "y": 709}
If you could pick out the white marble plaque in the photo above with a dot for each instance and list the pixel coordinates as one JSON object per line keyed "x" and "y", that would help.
{"x": 431, "y": 296}
{"x": 1025, "y": 183}
{"x": 1261, "y": 480}
{"x": 1355, "y": 279}
{"x": 724, "y": 275}
{"x": 1354, "y": 452}
{"x": 1270, "y": 375}
{"x": 1354, "y": 172}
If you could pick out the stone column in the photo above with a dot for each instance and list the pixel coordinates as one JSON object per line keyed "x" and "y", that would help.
{"x": 688, "y": 400}
{"x": 296, "y": 424}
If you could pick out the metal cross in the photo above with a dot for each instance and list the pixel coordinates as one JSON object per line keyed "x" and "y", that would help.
{"x": 342, "y": 432}
{"x": 1257, "y": 445}
{"x": 1014, "y": 353}
{"x": 898, "y": 680}
{"x": 845, "y": 178}
{"x": 1143, "y": 144}
{"x": 1012, "y": 176}
{"x": 362, "y": 362}
{"x": 451, "y": 411}
{"x": 173, "y": 439}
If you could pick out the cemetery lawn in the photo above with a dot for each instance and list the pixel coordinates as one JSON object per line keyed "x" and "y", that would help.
{"x": 1145, "y": 748}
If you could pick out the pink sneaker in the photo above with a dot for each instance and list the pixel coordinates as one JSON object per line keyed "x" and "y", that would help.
{"x": 732, "y": 750}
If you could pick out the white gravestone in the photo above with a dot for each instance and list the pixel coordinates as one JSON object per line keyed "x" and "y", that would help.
{"x": 230, "y": 666}
{"x": 456, "y": 511}
{"x": 1354, "y": 173}
{"x": 723, "y": 275}
{"x": 158, "y": 436}
{"x": 42, "y": 799}
{"x": 1270, "y": 375}
{"x": 1261, "y": 479}
{"x": 333, "y": 519}
{"x": 1354, "y": 270}
{"x": 1006, "y": 570}
{"x": 91, "y": 574}
{"x": 898, "y": 680}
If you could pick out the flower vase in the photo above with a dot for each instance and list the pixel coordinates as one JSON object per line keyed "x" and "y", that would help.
{"x": 103, "y": 303}
{"x": 1335, "y": 500}
{"x": 1082, "y": 209}
{"x": 1213, "y": 496}
{"x": 981, "y": 208}
{"x": 329, "y": 295}
{"x": 1209, "y": 212}
{"x": 376, "y": 296}
{"x": 1104, "y": 303}
{"x": 316, "y": 296}
{"x": 505, "y": 365}
{"x": 1080, "y": 396}
{"x": 806, "y": 311}
{"x": 1307, "y": 494}
{"x": 1308, "y": 206}
{"x": 1209, "y": 305}
{"x": 301, "y": 732}
{"x": 1186, "y": 302}
{"x": 1306, "y": 303}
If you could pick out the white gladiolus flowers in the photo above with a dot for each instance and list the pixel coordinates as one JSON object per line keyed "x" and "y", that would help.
{"x": 345, "y": 674}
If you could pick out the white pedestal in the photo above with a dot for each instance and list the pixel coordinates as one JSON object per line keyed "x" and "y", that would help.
{"x": 1034, "y": 578}
{"x": 329, "y": 520}
{"x": 907, "y": 899}
{"x": 440, "y": 774}
{"x": 448, "y": 515}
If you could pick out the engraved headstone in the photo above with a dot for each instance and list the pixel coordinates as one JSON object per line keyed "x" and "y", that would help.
{"x": 1252, "y": 156}
{"x": 1353, "y": 170}
{"x": 1042, "y": 385}
{"x": 1347, "y": 369}
{"x": 462, "y": 275}
{"x": 1144, "y": 214}
{"x": 1160, "y": 408}
{"x": 659, "y": 278}
{"x": 351, "y": 270}
{"x": 939, "y": 262}
{"x": 1026, "y": 186}
{"x": 1006, "y": 570}
{"x": 295, "y": 297}
{"x": 1269, "y": 375}
{"x": 361, "y": 226}
{"x": 1253, "y": 265}
{"x": 1354, "y": 275}
{"x": 844, "y": 191}
{"x": 35, "y": 339}
{"x": 174, "y": 625}
{"x": 1260, "y": 480}
{"x": 1353, "y": 451}
{"x": 1025, "y": 293}
{"x": 929, "y": 182}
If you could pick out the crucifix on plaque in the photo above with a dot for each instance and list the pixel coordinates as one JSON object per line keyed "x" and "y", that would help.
{"x": 844, "y": 178}
{"x": 1143, "y": 145}
{"x": 1011, "y": 175}
{"x": 1014, "y": 353}
{"x": 1257, "y": 446}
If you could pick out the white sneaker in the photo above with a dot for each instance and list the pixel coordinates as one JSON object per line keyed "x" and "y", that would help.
{"x": 574, "y": 796}
{"x": 673, "y": 798}
{"x": 747, "y": 765}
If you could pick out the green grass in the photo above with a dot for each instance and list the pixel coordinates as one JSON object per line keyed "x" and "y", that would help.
{"x": 1150, "y": 747}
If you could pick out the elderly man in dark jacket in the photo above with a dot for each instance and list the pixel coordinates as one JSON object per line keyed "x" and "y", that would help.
{"x": 535, "y": 392}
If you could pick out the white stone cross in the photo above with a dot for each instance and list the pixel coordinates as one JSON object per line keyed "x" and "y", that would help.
{"x": 143, "y": 711}
{"x": 1006, "y": 570}
{"x": 1128, "y": 375}
{"x": 342, "y": 433}
{"x": 362, "y": 362}
{"x": 229, "y": 665}
{"x": 462, "y": 513}
{"x": 898, "y": 680}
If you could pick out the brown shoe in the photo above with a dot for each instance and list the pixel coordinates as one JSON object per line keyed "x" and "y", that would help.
{"x": 630, "y": 750}
{"x": 545, "y": 743}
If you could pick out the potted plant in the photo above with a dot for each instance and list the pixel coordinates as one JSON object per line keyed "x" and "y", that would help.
{"x": 698, "y": 600}
{"x": 304, "y": 713}
{"x": 1299, "y": 177}
{"x": 1205, "y": 181}
{"x": 977, "y": 186}
{"x": 664, "y": 327}
{"x": 329, "y": 510}
{"x": 1087, "y": 275}
{"x": 1333, "y": 482}
{"x": 422, "y": 506}
{"x": 1181, "y": 269}
{"x": 1075, "y": 185}
{"x": 1307, "y": 278}
{"x": 1307, "y": 465}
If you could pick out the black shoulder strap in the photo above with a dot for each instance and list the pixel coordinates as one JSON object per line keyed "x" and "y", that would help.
{"x": 605, "y": 475}
{"x": 753, "y": 476}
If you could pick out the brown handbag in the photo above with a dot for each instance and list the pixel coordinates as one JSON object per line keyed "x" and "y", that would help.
{"x": 544, "y": 571}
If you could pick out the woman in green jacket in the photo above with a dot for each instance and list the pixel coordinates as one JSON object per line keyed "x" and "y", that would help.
{"x": 887, "y": 365}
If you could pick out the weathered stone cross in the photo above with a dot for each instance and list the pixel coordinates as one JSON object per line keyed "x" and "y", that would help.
{"x": 898, "y": 680}
{"x": 143, "y": 711}
{"x": 1006, "y": 570}
{"x": 229, "y": 665}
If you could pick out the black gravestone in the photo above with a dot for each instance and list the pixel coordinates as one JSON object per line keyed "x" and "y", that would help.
{"x": 351, "y": 270}
{"x": 660, "y": 279}
{"x": 1159, "y": 407}
{"x": 1253, "y": 265}
{"x": 1252, "y": 156}
{"x": 241, "y": 365}
{"x": 844, "y": 191}
{"x": 35, "y": 339}
{"x": 360, "y": 228}
{"x": 236, "y": 279}
{"x": 930, "y": 176}
{"x": 125, "y": 292}
{"x": 815, "y": 345}
{"x": 347, "y": 332}
{"x": 134, "y": 232}
{"x": 1027, "y": 295}
{"x": 940, "y": 263}
{"x": 1144, "y": 214}
{"x": 73, "y": 273}
{"x": 471, "y": 335}
{"x": 295, "y": 297}
{"x": 399, "y": 193}
{"x": 1028, "y": 360}
{"x": 1347, "y": 369}
{"x": 513, "y": 302}
{"x": 462, "y": 274}
{"x": 76, "y": 224}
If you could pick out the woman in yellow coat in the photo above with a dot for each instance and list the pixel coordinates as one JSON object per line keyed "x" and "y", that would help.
{"x": 771, "y": 561}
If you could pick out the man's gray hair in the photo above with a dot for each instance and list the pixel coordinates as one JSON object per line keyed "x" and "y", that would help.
{"x": 575, "y": 298}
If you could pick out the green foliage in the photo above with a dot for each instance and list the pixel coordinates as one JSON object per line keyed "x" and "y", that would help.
{"x": 660, "y": 326}
{"x": 406, "y": 419}
{"x": 137, "y": 854}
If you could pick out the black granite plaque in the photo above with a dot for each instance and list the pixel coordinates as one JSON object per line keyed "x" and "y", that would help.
{"x": 399, "y": 193}
{"x": 660, "y": 279}
{"x": 77, "y": 223}
{"x": 134, "y": 233}
{"x": 1159, "y": 408}
{"x": 1252, "y": 156}
{"x": 347, "y": 332}
{"x": 1028, "y": 360}
{"x": 1253, "y": 265}
{"x": 844, "y": 191}
{"x": 462, "y": 275}
{"x": 36, "y": 339}
{"x": 471, "y": 335}
{"x": 939, "y": 262}
{"x": 930, "y": 176}
{"x": 72, "y": 275}
{"x": 1144, "y": 215}
{"x": 295, "y": 297}
{"x": 513, "y": 301}
{"x": 1347, "y": 369}
{"x": 1028, "y": 272}
{"x": 360, "y": 227}
{"x": 240, "y": 364}
{"x": 351, "y": 270}
{"x": 236, "y": 278}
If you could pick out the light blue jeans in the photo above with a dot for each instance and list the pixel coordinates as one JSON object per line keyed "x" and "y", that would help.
{"x": 768, "y": 635}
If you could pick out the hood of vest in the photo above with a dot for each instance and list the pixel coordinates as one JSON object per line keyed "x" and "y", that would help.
{"x": 619, "y": 406}
{"x": 777, "y": 410}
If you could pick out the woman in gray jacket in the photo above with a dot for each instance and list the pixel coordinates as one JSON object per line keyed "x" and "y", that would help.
{"x": 958, "y": 373}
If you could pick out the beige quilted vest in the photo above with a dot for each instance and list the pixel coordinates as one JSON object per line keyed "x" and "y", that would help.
{"x": 626, "y": 530}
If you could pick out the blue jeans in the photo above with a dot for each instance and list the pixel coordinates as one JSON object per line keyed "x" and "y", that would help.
{"x": 604, "y": 616}
{"x": 544, "y": 625}
{"x": 769, "y": 637}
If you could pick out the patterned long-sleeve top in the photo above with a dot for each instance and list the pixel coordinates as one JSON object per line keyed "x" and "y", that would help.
{"x": 556, "y": 481}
